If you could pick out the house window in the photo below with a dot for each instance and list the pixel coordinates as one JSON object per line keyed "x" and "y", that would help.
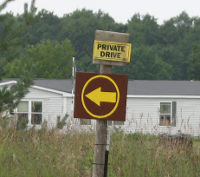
{"x": 85, "y": 121}
{"x": 168, "y": 113}
{"x": 22, "y": 113}
{"x": 36, "y": 112}
{"x": 30, "y": 112}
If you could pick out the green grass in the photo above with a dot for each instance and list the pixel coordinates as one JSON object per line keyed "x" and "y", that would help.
{"x": 49, "y": 154}
{"x": 146, "y": 156}
{"x": 45, "y": 154}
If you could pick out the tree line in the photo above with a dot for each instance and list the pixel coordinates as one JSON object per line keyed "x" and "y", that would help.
{"x": 168, "y": 51}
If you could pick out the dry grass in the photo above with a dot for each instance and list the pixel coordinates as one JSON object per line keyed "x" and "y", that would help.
{"x": 50, "y": 154}
{"x": 139, "y": 155}
{"x": 45, "y": 154}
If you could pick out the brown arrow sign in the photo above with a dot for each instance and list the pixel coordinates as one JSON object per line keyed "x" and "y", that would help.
{"x": 99, "y": 96}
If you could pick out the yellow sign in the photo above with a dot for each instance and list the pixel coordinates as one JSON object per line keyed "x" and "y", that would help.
{"x": 112, "y": 51}
{"x": 97, "y": 96}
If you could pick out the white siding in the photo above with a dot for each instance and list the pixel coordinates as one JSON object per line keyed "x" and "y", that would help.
{"x": 69, "y": 106}
{"x": 189, "y": 116}
{"x": 70, "y": 112}
{"x": 143, "y": 116}
{"x": 52, "y": 104}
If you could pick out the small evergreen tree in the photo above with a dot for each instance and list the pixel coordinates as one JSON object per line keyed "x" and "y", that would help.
{"x": 9, "y": 38}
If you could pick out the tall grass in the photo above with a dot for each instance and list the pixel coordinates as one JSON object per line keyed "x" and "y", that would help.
{"x": 139, "y": 155}
{"x": 42, "y": 153}
{"x": 45, "y": 154}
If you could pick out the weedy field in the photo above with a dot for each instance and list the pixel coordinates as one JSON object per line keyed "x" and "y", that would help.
{"x": 42, "y": 153}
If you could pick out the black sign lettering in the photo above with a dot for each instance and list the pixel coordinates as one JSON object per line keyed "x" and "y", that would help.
{"x": 98, "y": 46}
{"x": 107, "y": 54}
{"x": 118, "y": 55}
{"x": 104, "y": 47}
{"x": 102, "y": 53}
{"x": 111, "y": 47}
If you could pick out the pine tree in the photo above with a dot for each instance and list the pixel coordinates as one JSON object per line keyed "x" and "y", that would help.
{"x": 10, "y": 33}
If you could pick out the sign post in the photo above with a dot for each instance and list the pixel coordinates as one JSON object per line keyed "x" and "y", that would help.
{"x": 103, "y": 96}
{"x": 100, "y": 152}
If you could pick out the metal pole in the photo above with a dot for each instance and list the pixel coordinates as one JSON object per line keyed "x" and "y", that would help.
{"x": 107, "y": 153}
{"x": 73, "y": 78}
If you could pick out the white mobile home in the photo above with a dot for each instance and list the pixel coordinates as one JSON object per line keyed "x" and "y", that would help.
{"x": 45, "y": 101}
{"x": 152, "y": 106}
{"x": 163, "y": 107}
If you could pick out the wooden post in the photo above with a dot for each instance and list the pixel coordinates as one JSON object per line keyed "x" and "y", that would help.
{"x": 101, "y": 125}
{"x": 101, "y": 137}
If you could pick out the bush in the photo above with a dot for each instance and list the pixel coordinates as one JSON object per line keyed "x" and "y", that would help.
{"x": 61, "y": 122}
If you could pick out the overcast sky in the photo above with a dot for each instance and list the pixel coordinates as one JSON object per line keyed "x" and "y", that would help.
{"x": 120, "y": 10}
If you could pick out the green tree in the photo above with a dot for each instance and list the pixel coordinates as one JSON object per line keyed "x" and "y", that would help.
{"x": 48, "y": 28}
{"x": 174, "y": 57}
{"x": 177, "y": 40}
{"x": 193, "y": 70}
{"x": 79, "y": 27}
{"x": 10, "y": 97}
{"x": 143, "y": 30}
{"x": 147, "y": 65}
{"x": 47, "y": 59}
{"x": 9, "y": 39}
{"x": 175, "y": 29}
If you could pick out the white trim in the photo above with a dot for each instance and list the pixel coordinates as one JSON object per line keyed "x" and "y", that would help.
{"x": 8, "y": 82}
{"x": 51, "y": 90}
{"x": 29, "y": 113}
{"x": 164, "y": 96}
{"x": 40, "y": 88}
